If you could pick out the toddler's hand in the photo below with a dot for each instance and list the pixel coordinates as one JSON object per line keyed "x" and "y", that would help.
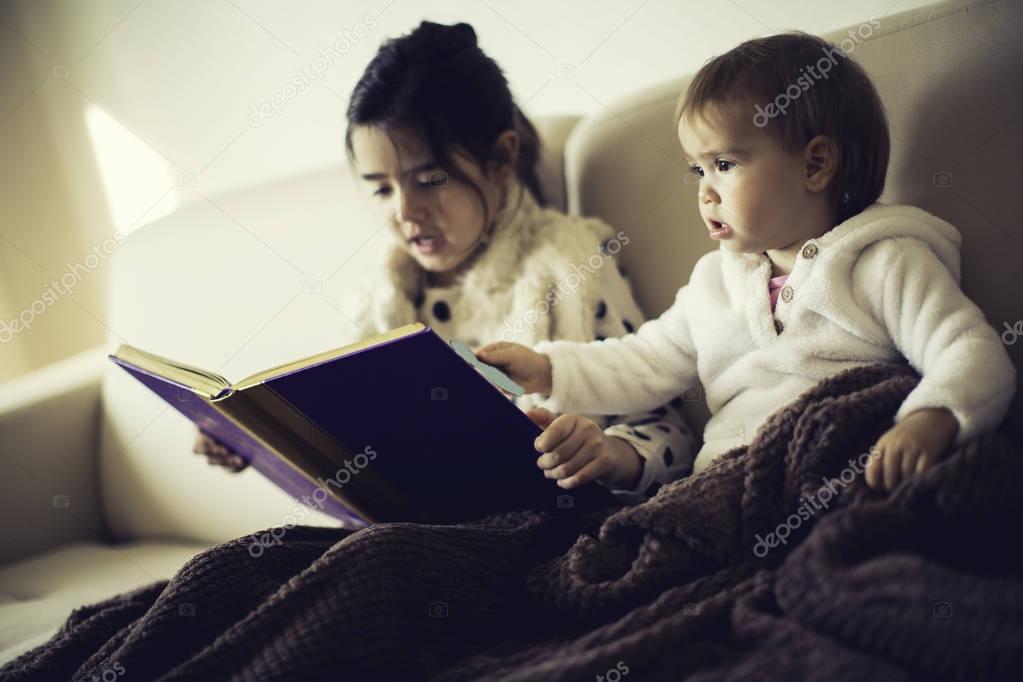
{"x": 577, "y": 451}
{"x": 909, "y": 447}
{"x": 218, "y": 453}
{"x": 523, "y": 365}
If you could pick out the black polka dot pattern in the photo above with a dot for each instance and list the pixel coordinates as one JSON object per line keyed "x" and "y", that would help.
{"x": 600, "y": 338}
{"x": 419, "y": 300}
{"x": 442, "y": 311}
{"x": 669, "y": 457}
{"x": 660, "y": 411}
{"x": 639, "y": 434}
{"x": 641, "y": 422}
{"x": 621, "y": 270}
{"x": 601, "y": 310}
{"x": 628, "y": 326}
{"x": 676, "y": 403}
{"x": 662, "y": 427}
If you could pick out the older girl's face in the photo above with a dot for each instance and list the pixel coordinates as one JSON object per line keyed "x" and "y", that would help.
{"x": 438, "y": 220}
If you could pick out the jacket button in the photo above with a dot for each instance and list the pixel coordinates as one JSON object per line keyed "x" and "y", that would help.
{"x": 778, "y": 326}
{"x": 809, "y": 251}
{"x": 786, "y": 293}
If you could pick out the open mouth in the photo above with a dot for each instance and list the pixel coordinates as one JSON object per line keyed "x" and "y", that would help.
{"x": 719, "y": 230}
{"x": 427, "y": 244}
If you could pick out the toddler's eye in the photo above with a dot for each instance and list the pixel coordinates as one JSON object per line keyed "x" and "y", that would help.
{"x": 724, "y": 166}
{"x": 697, "y": 170}
{"x": 382, "y": 191}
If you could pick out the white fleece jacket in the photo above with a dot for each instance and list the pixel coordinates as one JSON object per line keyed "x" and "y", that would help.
{"x": 883, "y": 286}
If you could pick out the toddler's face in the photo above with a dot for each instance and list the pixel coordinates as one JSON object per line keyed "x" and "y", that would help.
{"x": 752, "y": 195}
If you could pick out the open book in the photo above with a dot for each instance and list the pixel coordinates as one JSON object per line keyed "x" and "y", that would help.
{"x": 399, "y": 427}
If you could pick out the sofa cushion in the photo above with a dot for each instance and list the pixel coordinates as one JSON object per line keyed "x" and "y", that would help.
{"x": 37, "y": 594}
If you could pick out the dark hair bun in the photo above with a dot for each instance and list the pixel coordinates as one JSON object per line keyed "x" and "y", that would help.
{"x": 455, "y": 37}
{"x": 464, "y": 34}
{"x": 438, "y": 83}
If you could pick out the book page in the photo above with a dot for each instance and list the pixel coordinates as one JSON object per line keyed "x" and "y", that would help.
{"x": 200, "y": 380}
{"x": 296, "y": 365}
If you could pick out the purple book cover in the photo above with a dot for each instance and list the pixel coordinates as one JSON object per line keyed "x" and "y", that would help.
{"x": 432, "y": 425}
{"x": 440, "y": 431}
{"x": 223, "y": 429}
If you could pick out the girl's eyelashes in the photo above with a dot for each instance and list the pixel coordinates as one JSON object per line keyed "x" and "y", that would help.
{"x": 427, "y": 180}
{"x": 436, "y": 178}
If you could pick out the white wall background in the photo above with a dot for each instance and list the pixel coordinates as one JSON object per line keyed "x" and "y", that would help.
{"x": 116, "y": 112}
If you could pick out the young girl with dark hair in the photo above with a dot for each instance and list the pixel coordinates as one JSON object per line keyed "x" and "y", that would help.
{"x": 450, "y": 161}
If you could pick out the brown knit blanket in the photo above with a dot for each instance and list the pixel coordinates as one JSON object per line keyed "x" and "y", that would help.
{"x": 748, "y": 571}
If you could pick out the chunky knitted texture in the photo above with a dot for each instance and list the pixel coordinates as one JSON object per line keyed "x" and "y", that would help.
{"x": 922, "y": 583}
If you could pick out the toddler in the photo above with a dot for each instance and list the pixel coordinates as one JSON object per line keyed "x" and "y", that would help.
{"x": 812, "y": 277}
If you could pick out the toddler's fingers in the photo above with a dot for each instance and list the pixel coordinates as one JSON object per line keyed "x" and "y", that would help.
{"x": 496, "y": 345}
{"x": 892, "y": 466}
{"x": 501, "y": 353}
{"x": 593, "y": 470}
{"x": 541, "y": 417}
{"x": 564, "y": 452}
{"x": 910, "y": 459}
{"x": 572, "y": 464}
{"x": 556, "y": 433}
{"x": 925, "y": 462}
{"x": 875, "y": 468}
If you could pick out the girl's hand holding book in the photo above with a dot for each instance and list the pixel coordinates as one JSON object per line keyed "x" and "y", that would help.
{"x": 217, "y": 453}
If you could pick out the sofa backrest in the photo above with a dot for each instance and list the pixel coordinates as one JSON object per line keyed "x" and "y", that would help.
{"x": 949, "y": 76}
{"x": 234, "y": 284}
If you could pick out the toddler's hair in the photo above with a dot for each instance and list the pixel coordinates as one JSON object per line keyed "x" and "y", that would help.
{"x": 797, "y": 86}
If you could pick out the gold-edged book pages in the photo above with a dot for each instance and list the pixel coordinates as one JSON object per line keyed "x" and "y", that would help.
{"x": 215, "y": 386}
{"x": 289, "y": 367}
{"x": 280, "y": 428}
{"x": 207, "y": 384}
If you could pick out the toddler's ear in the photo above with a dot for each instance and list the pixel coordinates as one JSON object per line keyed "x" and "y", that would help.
{"x": 820, "y": 158}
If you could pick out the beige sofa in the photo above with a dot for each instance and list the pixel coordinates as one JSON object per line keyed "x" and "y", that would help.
{"x": 100, "y": 492}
